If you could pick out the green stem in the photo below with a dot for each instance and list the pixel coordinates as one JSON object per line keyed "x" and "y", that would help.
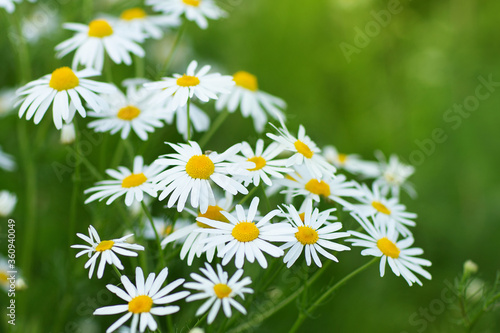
{"x": 246, "y": 197}
{"x": 188, "y": 120}
{"x": 166, "y": 64}
{"x": 117, "y": 272}
{"x": 215, "y": 126}
{"x": 158, "y": 240}
{"x": 139, "y": 66}
{"x": 76, "y": 185}
{"x": 327, "y": 294}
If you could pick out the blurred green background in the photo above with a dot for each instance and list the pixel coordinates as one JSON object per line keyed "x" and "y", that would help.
{"x": 393, "y": 93}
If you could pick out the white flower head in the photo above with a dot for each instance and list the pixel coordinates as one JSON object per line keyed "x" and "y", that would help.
{"x": 141, "y": 300}
{"x": 8, "y": 5}
{"x": 93, "y": 40}
{"x": 7, "y": 277}
{"x": 382, "y": 241}
{"x": 194, "y": 10}
{"x": 139, "y": 23}
{"x": 252, "y": 101}
{"x": 8, "y": 100}
{"x": 107, "y": 249}
{"x": 394, "y": 175}
{"x": 163, "y": 226}
{"x": 133, "y": 184}
{"x": 7, "y": 203}
{"x": 351, "y": 163}
{"x": 220, "y": 291}
{"x": 6, "y": 161}
{"x": 64, "y": 89}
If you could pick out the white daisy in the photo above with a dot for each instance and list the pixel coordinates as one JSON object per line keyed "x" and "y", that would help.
{"x": 163, "y": 226}
{"x": 142, "y": 24}
{"x": 394, "y": 175}
{"x": 8, "y": 100}
{"x": 381, "y": 241}
{"x": 194, "y": 10}
{"x": 8, "y": 5}
{"x": 107, "y": 249}
{"x": 10, "y": 275}
{"x": 389, "y": 210}
{"x": 126, "y": 113}
{"x": 220, "y": 291}
{"x": 191, "y": 171}
{"x": 252, "y": 101}
{"x": 140, "y": 300}
{"x": 7, "y": 203}
{"x": 133, "y": 184}
{"x": 6, "y": 161}
{"x": 351, "y": 163}
{"x": 243, "y": 238}
{"x": 200, "y": 84}
{"x": 90, "y": 42}
{"x": 65, "y": 88}
{"x": 304, "y": 150}
{"x": 68, "y": 134}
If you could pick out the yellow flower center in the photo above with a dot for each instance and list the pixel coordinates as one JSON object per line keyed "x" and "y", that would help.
{"x": 100, "y": 29}
{"x": 222, "y": 290}
{"x": 318, "y": 187}
{"x": 342, "y": 158}
{"x": 307, "y": 235}
{"x": 140, "y": 304}
{"x": 3, "y": 278}
{"x": 134, "y": 180}
{"x": 104, "y": 245}
{"x": 302, "y": 216}
{"x": 194, "y": 3}
{"x": 245, "y": 232}
{"x": 212, "y": 213}
{"x": 259, "y": 161}
{"x": 129, "y": 113}
{"x": 188, "y": 81}
{"x": 63, "y": 79}
{"x": 303, "y": 149}
{"x": 388, "y": 248}
{"x": 381, "y": 207}
{"x": 167, "y": 230}
{"x": 200, "y": 167}
{"x": 132, "y": 14}
{"x": 246, "y": 80}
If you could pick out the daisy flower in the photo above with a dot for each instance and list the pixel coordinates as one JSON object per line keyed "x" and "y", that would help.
{"x": 64, "y": 88}
{"x": 220, "y": 291}
{"x": 141, "y": 24}
{"x": 133, "y": 184}
{"x": 140, "y": 300}
{"x": 243, "y": 238}
{"x": 7, "y": 101}
{"x": 191, "y": 171}
{"x": 304, "y": 150}
{"x": 394, "y": 175}
{"x": 8, "y": 5}
{"x": 194, "y": 242}
{"x": 194, "y": 10}
{"x": 10, "y": 275}
{"x": 252, "y": 101}
{"x": 126, "y": 113}
{"x": 164, "y": 227}
{"x": 265, "y": 166}
{"x": 182, "y": 87}
{"x": 313, "y": 234}
{"x": 107, "y": 249}
{"x": 7, "y": 203}
{"x": 381, "y": 241}
{"x": 6, "y": 161}
{"x": 351, "y": 163}
{"x": 389, "y": 210}
{"x": 90, "y": 42}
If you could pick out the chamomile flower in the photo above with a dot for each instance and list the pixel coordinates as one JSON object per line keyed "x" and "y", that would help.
{"x": 182, "y": 87}
{"x": 252, "y": 101}
{"x": 7, "y": 203}
{"x": 64, "y": 88}
{"x": 126, "y": 113}
{"x": 220, "y": 291}
{"x": 142, "y": 24}
{"x": 382, "y": 241}
{"x": 10, "y": 277}
{"x": 6, "y": 161}
{"x": 91, "y": 41}
{"x": 8, "y": 100}
{"x": 200, "y": 122}
{"x": 394, "y": 175}
{"x": 8, "y": 5}
{"x": 194, "y": 10}
{"x": 304, "y": 150}
{"x": 191, "y": 171}
{"x": 194, "y": 242}
{"x": 141, "y": 299}
{"x": 107, "y": 249}
{"x": 133, "y": 184}
{"x": 389, "y": 210}
{"x": 163, "y": 226}
{"x": 243, "y": 238}
{"x": 313, "y": 234}
{"x": 265, "y": 165}
{"x": 351, "y": 163}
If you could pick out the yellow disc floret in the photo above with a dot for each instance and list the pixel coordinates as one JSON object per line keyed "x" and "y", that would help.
{"x": 100, "y": 28}
{"x": 303, "y": 149}
{"x": 193, "y": 3}
{"x": 388, "y": 248}
{"x": 104, "y": 245}
{"x": 200, "y": 167}
{"x": 245, "y": 232}
{"x": 318, "y": 187}
{"x": 134, "y": 180}
{"x": 63, "y": 79}
{"x": 132, "y": 14}
{"x": 246, "y": 80}
{"x": 259, "y": 161}
{"x": 342, "y": 158}
{"x": 212, "y": 213}
{"x": 222, "y": 290}
{"x": 140, "y": 304}
{"x": 129, "y": 113}
{"x": 381, "y": 207}
{"x": 188, "y": 81}
{"x": 306, "y": 235}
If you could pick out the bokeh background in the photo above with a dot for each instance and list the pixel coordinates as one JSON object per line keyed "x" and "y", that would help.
{"x": 390, "y": 94}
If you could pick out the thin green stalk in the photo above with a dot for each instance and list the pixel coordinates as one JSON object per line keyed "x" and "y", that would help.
{"x": 108, "y": 72}
{"x": 117, "y": 272}
{"x": 327, "y": 294}
{"x": 200, "y": 320}
{"x": 158, "y": 240}
{"x": 188, "y": 120}
{"x": 76, "y": 185}
{"x": 264, "y": 194}
{"x": 139, "y": 63}
{"x": 246, "y": 197}
{"x": 215, "y": 126}
{"x": 177, "y": 39}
